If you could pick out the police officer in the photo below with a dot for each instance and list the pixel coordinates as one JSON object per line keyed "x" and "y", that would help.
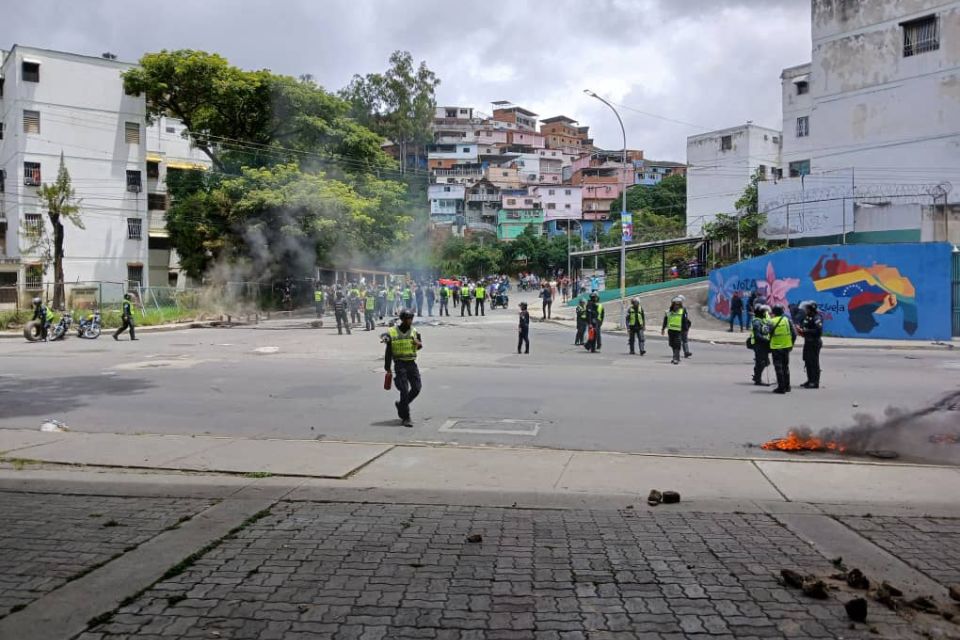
{"x": 524, "y": 328}
{"x": 44, "y": 315}
{"x": 811, "y": 328}
{"x": 407, "y": 297}
{"x": 782, "y": 336}
{"x": 480, "y": 293}
{"x": 369, "y": 309}
{"x": 465, "y": 299}
{"x": 431, "y": 298}
{"x": 581, "y": 312}
{"x": 636, "y": 320}
{"x": 673, "y": 326}
{"x": 340, "y": 312}
{"x": 685, "y": 332}
{"x": 403, "y": 342}
{"x": 594, "y": 320}
{"x": 444, "y": 300}
{"x": 760, "y": 341}
{"x": 418, "y": 296}
{"x": 127, "y": 317}
{"x": 318, "y": 299}
{"x": 381, "y": 301}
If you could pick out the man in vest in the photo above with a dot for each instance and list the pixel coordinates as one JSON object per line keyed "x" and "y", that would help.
{"x": 685, "y": 332}
{"x": 811, "y": 328}
{"x": 127, "y": 317}
{"x": 369, "y": 309}
{"x": 636, "y": 321}
{"x": 581, "y": 312}
{"x": 340, "y": 312}
{"x": 403, "y": 342}
{"x": 407, "y": 297}
{"x": 444, "y": 300}
{"x": 782, "y": 336}
{"x": 391, "y": 299}
{"x": 465, "y": 299}
{"x": 760, "y": 342}
{"x": 673, "y": 326}
{"x": 318, "y": 299}
{"x": 42, "y": 313}
{"x": 381, "y": 301}
{"x": 480, "y": 293}
{"x": 354, "y": 302}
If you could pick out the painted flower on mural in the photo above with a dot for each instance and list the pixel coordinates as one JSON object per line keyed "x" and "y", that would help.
{"x": 721, "y": 298}
{"x": 774, "y": 290}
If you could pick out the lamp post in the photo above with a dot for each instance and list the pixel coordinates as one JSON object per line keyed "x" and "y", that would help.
{"x": 623, "y": 210}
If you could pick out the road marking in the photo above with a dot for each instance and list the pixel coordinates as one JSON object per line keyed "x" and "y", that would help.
{"x": 502, "y": 427}
{"x": 266, "y": 350}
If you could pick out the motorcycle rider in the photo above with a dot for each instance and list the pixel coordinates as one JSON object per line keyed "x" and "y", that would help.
{"x": 127, "y": 317}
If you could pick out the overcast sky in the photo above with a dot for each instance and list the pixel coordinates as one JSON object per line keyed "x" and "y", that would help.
{"x": 710, "y": 63}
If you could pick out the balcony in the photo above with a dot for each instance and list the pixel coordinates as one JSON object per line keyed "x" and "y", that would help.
{"x": 457, "y": 172}
{"x": 483, "y": 197}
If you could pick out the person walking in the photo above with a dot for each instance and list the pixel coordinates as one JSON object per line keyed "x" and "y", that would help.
{"x": 465, "y": 299}
{"x": 418, "y": 296}
{"x": 760, "y": 342}
{"x": 547, "y": 295}
{"x": 354, "y": 302}
{"x": 369, "y": 309}
{"x": 636, "y": 321}
{"x": 381, "y": 301}
{"x": 673, "y": 326}
{"x": 782, "y": 336}
{"x": 594, "y": 322}
{"x": 126, "y": 316}
{"x": 455, "y": 293}
{"x": 407, "y": 297}
{"x": 524, "y": 329}
{"x": 685, "y": 331}
{"x": 480, "y": 294}
{"x": 402, "y": 343}
{"x": 391, "y": 296}
{"x": 736, "y": 311}
{"x": 811, "y": 328}
{"x": 581, "y": 311}
{"x": 444, "y": 300}
{"x": 431, "y": 298}
{"x": 340, "y": 313}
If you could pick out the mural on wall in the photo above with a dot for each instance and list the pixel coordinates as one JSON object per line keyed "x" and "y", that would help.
{"x": 897, "y": 291}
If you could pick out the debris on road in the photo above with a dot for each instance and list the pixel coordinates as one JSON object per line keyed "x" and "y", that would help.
{"x": 813, "y": 587}
{"x": 53, "y": 426}
{"x": 791, "y": 578}
{"x": 474, "y": 538}
{"x": 954, "y": 591}
{"x": 883, "y": 454}
{"x": 925, "y": 604}
{"x": 856, "y": 609}
{"x": 654, "y": 498}
{"x": 857, "y": 580}
{"x": 670, "y": 497}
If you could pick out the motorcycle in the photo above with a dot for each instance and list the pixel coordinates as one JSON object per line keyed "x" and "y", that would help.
{"x": 501, "y": 299}
{"x": 89, "y": 327}
{"x": 59, "y": 332}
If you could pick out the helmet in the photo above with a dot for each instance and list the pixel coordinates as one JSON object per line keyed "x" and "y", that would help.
{"x": 635, "y": 301}
{"x": 406, "y": 314}
{"x": 37, "y": 301}
{"x": 681, "y": 298}
{"x": 594, "y": 297}
{"x": 812, "y": 305}
{"x": 127, "y": 296}
{"x": 677, "y": 299}
{"x": 778, "y": 309}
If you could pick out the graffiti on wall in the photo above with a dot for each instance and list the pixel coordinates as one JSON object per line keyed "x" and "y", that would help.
{"x": 897, "y": 291}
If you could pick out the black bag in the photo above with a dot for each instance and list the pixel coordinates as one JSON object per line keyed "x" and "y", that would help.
{"x": 750, "y": 343}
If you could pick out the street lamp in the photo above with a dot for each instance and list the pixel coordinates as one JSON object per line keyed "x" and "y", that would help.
{"x": 623, "y": 211}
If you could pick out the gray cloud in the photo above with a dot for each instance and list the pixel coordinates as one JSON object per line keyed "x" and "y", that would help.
{"x": 715, "y": 63}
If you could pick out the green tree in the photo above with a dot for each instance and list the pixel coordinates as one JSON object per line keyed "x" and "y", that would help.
{"x": 744, "y": 227}
{"x": 666, "y": 198}
{"x": 59, "y": 199}
{"x": 399, "y": 103}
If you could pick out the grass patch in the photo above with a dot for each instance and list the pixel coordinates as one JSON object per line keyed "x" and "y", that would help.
{"x": 19, "y": 463}
{"x": 258, "y": 474}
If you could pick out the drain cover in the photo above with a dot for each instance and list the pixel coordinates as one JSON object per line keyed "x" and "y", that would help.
{"x": 490, "y": 426}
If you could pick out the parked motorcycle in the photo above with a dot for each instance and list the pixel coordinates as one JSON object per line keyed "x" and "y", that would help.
{"x": 89, "y": 327}
{"x": 59, "y": 331}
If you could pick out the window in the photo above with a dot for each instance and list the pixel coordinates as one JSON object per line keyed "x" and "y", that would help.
{"x": 131, "y": 132}
{"x": 762, "y": 171}
{"x": 133, "y": 181}
{"x": 511, "y": 201}
{"x": 446, "y": 189}
{"x": 134, "y": 229}
{"x": 776, "y": 140}
{"x": 550, "y": 192}
{"x": 34, "y": 276}
{"x": 171, "y": 129}
{"x": 156, "y": 201}
{"x": 803, "y": 126}
{"x": 33, "y": 224}
{"x": 567, "y": 192}
{"x": 30, "y": 71}
{"x": 504, "y": 174}
{"x": 551, "y": 205}
{"x": 799, "y": 168}
{"x": 31, "y": 121}
{"x": 920, "y": 35}
{"x": 134, "y": 276}
{"x": 803, "y": 87}
{"x": 31, "y": 174}
{"x": 776, "y": 173}
{"x": 567, "y": 206}
{"x": 153, "y": 170}
{"x": 466, "y": 149}
{"x": 726, "y": 143}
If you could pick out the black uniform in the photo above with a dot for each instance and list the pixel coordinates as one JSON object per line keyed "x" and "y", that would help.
{"x": 445, "y": 301}
{"x": 812, "y": 329}
{"x": 340, "y": 312}
{"x": 406, "y": 377}
{"x": 418, "y": 296}
{"x": 760, "y": 340}
{"x": 636, "y": 322}
{"x": 581, "y": 323}
{"x": 40, "y": 313}
{"x": 524, "y": 331}
{"x": 127, "y": 318}
{"x": 685, "y": 334}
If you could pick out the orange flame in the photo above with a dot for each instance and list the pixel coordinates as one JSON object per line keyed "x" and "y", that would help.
{"x": 798, "y": 442}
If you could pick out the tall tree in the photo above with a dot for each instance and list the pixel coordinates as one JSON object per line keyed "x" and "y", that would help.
{"x": 61, "y": 204}
{"x": 398, "y": 103}
{"x": 666, "y": 198}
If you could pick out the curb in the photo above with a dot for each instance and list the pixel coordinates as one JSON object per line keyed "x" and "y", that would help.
{"x": 158, "y": 328}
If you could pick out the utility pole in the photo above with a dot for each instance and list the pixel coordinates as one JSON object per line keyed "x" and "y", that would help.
{"x": 623, "y": 211}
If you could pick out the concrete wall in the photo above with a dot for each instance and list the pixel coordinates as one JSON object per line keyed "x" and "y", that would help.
{"x": 896, "y": 291}
{"x": 566, "y": 201}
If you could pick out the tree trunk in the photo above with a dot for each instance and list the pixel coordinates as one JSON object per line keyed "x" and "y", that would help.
{"x": 58, "y": 297}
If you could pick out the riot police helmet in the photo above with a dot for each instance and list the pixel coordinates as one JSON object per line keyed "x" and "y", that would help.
{"x": 405, "y": 314}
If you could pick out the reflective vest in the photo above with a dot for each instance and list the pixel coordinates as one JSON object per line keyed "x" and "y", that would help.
{"x": 407, "y": 293}
{"x": 599, "y": 312}
{"x": 675, "y": 320}
{"x": 759, "y": 323}
{"x": 355, "y": 293}
{"x": 581, "y": 312}
{"x": 318, "y": 295}
{"x": 371, "y": 302}
{"x": 49, "y": 314}
{"x": 390, "y": 295}
{"x": 403, "y": 346}
{"x": 480, "y": 293}
{"x": 444, "y": 292}
{"x": 780, "y": 336}
{"x": 634, "y": 317}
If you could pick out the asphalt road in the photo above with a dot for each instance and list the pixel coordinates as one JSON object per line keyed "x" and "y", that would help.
{"x": 283, "y": 379}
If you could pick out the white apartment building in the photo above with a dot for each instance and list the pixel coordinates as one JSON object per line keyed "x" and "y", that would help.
{"x": 61, "y": 104}
{"x": 720, "y": 165}
{"x": 560, "y": 202}
{"x": 877, "y": 110}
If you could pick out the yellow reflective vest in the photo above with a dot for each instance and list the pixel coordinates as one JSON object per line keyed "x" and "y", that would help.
{"x": 780, "y": 335}
{"x": 403, "y": 346}
{"x": 675, "y": 320}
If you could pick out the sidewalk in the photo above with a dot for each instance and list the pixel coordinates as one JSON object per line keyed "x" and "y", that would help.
{"x": 134, "y": 536}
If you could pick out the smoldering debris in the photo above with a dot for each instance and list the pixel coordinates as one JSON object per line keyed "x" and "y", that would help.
{"x": 930, "y": 434}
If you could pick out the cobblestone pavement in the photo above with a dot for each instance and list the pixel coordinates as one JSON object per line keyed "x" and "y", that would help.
{"x": 310, "y": 570}
{"x": 930, "y": 545}
{"x": 47, "y": 540}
